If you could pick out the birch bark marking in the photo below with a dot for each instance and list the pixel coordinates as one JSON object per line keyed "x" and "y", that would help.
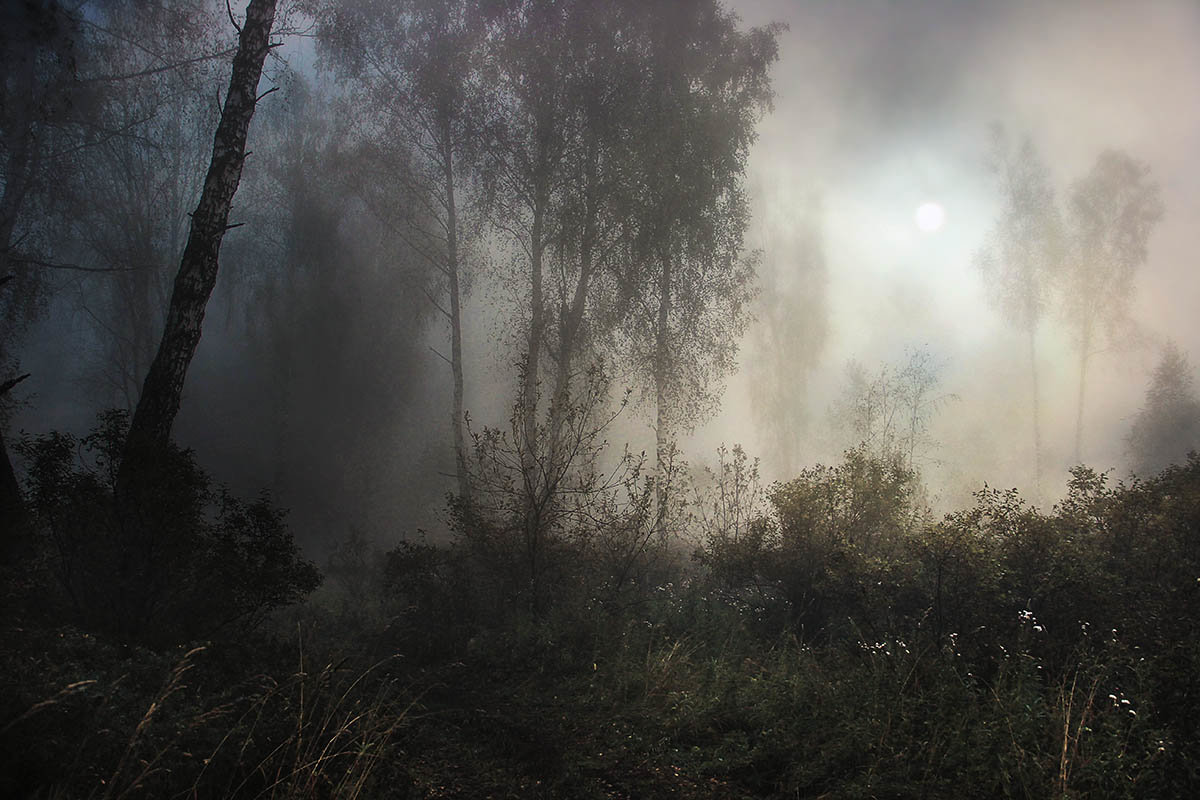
{"x": 163, "y": 388}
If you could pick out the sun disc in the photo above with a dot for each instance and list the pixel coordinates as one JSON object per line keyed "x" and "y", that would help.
{"x": 930, "y": 217}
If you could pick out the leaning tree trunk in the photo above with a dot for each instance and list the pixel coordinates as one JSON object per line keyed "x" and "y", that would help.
{"x": 12, "y": 508}
{"x": 150, "y": 429}
{"x": 17, "y": 180}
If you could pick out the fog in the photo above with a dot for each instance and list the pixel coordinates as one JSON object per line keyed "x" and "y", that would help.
{"x": 322, "y": 372}
{"x": 881, "y": 107}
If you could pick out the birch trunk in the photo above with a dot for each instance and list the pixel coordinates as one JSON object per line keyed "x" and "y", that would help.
{"x": 150, "y": 429}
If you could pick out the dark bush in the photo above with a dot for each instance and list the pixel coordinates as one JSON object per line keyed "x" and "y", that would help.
{"x": 186, "y": 564}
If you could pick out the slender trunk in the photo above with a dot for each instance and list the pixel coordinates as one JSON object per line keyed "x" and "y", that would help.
{"x": 535, "y": 467}
{"x": 1037, "y": 423}
{"x": 537, "y": 322}
{"x": 662, "y": 365}
{"x": 456, "y": 356}
{"x": 568, "y": 342}
{"x": 533, "y": 485}
{"x": 150, "y": 429}
{"x": 572, "y": 321}
{"x": 1083, "y": 365}
{"x": 19, "y": 168}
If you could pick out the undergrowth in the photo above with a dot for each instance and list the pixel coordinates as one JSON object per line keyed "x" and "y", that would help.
{"x": 1002, "y": 651}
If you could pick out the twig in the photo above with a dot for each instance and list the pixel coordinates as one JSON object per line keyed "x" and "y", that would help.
{"x": 232, "y": 21}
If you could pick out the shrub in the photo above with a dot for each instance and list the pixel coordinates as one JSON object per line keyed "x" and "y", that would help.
{"x": 833, "y": 545}
{"x": 557, "y": 517}
{"x": 187, "y": 565}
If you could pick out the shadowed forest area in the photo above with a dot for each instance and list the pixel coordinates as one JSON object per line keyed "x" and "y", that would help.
{"x": 370, "y": 372}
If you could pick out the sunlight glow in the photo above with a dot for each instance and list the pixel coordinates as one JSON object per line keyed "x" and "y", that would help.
{"x": 930, "y": 217}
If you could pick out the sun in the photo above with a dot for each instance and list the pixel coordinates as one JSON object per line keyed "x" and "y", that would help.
{"x": 930, "y": 217}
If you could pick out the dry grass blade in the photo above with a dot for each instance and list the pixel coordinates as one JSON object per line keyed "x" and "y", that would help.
{"x": 337, "y": 738}
{"x": 65, "y": 692}
{"x": 174, "y": 684}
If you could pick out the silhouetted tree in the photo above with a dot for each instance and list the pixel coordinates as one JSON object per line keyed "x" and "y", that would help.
{"x": 1024, "y": 255}
{"x": 43, "y": 104}
{"x": 525, "y": 162}
{"x": 40, "y": 98}
{"x": 606, "y": 132}
{"x": 1168, "y": 425}
{"x": 150, "y": 429}
{"x": 75, "y": 88}
{"x": 79, "y": 87}
{"x": 332, "y": 316}
{"x": 1112, "y": 214}
{"x": 615, "y": 150}
{"x": 792, "y": 326}
{"x": 130, "y": 219}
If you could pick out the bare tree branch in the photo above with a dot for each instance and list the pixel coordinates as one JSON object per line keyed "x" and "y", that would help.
{"x": 37, "y": 262}
{"x": 8, "y": 385}
{"x": 145, "y": 73}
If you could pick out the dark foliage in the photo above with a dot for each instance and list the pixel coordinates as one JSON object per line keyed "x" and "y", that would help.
{"x": 834, "y": 643}
{"x": 1168, "y": 426}
{"x": 186, "y": 566}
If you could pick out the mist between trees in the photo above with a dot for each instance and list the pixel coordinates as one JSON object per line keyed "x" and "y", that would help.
{"x": 458, "y": 291}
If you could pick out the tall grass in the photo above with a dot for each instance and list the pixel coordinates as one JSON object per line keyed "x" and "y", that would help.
{"x": 318, "y": 732}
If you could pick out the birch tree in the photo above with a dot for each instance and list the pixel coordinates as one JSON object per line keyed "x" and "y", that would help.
{"x": 790, "y": 330}
{"x": 412, "y": 63}
{"x": 1113, "y": 211}
{"x": 1024, "y": 256}
{"x": 689, "y": 280}
{"x": 150, "y": 428}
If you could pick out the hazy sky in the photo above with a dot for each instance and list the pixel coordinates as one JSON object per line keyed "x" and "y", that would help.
{"x": 882, "y": 106}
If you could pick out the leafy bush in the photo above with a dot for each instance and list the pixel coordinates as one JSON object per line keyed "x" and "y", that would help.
{"x": 832, "y": 544}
